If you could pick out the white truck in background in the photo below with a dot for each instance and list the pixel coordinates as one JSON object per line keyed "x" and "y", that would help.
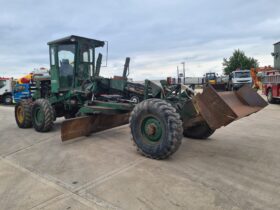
{"x": 6, "y": 90}
{"x": 194, "y": 80}
{"x": 231, "y": 82}
{"x": 239, "y": 78}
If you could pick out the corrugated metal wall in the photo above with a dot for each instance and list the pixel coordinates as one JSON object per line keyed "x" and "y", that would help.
{"x": 277, "y": 55}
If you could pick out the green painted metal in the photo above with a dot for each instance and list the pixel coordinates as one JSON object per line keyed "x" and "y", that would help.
{"x": 79, "y": 87}
{"x": 118, "y": 84}
{"x": 152, "y": 90}
{"x": 152, "y": 129}
{"x": 53, "y": 69}
{"x": 76, "y": 89}
{"x": 112, "y": 105}
{"x": 83, "y": 61}
{"x": 98, "y": 65}
{"x": 101, "y": 107}
{"x": 39, "y": 115}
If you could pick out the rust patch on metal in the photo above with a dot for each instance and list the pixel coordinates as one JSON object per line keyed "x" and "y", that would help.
{"x": 84, "y": 126}
{"x": 221, "y": 108}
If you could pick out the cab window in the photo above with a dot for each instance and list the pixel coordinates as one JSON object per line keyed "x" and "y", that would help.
{"x": 2, "y": 83}
{"x": 66, "y": 62}
{"x": 52, "y": 51}
{"x": 86, "y": 66}
{"x": 20, "y": 88}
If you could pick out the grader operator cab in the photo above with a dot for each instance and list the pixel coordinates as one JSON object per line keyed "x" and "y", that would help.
{"x": 93, "y": 103}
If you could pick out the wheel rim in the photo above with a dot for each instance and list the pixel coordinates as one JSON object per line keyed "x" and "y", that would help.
{"x": 151, "y": 129}
{"x": 8, "y": 100}
{"x": 38, "y": 115}
{"x": 134, "y": 99}
{"x": 20, "y": 114}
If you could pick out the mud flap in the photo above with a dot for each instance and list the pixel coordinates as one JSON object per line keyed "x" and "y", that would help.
{"x": 221, "y": 108}
{"x": 84, "y": 126}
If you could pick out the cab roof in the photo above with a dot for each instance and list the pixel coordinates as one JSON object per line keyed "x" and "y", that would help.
{"x": 74, "y": 39}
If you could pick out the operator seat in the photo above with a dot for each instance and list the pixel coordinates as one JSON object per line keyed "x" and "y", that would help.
{"x": 66, "y": 72}
{"x": 65, "y": 68}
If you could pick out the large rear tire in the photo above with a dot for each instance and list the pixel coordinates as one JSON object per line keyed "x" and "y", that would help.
{"x": 200, "y": 131}
{"x": 156, "y": 128}
{"x": 23, "y": 114}
{"x": 42, "y": 115}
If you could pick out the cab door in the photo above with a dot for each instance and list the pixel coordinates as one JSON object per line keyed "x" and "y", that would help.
{"x": 86, "y": 64}
{"x": 66, "y": 66}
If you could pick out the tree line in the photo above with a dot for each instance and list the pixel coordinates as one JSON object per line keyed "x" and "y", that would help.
{"x": 239, "y": 60}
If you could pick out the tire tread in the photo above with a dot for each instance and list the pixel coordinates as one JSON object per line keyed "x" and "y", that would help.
{"x": 171, "y": 117}
{"x": 49, "y": 115}
{"x": 27, "y": 107}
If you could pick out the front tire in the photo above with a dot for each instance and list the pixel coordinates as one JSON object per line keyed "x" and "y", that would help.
{"x": 8, "y": 100}
{"x": 23, "y": 114}
{"x": 156, "y": 128}
{"x": 200, "y": 131}
{"x": 42, "y": 115}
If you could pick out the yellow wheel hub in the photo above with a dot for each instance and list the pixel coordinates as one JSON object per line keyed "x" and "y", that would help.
{"x": 20, "y": 114}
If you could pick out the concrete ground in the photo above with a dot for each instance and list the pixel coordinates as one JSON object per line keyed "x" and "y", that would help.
{"x": 237, "y": 168}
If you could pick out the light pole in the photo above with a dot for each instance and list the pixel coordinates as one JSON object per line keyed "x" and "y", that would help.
{"x": 184, "y": 72}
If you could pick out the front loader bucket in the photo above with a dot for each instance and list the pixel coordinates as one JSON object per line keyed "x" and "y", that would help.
{"x": 219, "y": 87}
{"x": 221, "y": 108}
{"x": 84, "y": 126}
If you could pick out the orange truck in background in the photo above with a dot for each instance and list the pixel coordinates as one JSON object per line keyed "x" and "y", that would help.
{"x": 257, "y": 74}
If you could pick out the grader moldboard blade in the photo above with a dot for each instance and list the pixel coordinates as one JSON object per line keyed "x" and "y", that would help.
{"x": 84, "y": 126}
{"x": 221, "y": 108}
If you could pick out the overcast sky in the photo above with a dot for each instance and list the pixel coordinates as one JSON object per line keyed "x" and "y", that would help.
{"x": 157, "y": 34}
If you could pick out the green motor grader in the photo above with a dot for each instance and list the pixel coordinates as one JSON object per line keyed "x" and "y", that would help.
{"x": 91, "y": 103}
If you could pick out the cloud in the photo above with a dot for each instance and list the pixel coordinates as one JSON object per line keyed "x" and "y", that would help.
{"x": 158, "y": 35}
